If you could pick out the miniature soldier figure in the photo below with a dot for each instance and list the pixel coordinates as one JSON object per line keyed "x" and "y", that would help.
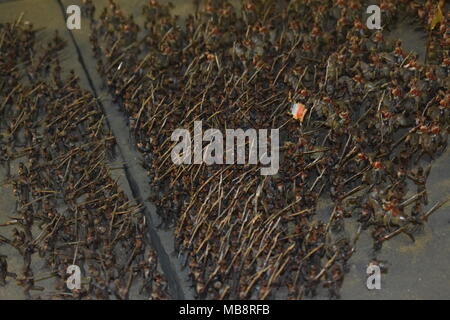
{"x": 4, "y": 270}
{"x": 420, "y": 179}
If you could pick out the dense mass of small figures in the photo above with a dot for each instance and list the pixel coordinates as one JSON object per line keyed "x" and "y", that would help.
{"x": 374, "y": 112}
{"x": 375, "y": 118}
{"x": 69, "y": 210}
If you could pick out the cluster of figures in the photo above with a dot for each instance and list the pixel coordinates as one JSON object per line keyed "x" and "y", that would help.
{"x": 57, "y": 151}
{"x": 373, "y": 115}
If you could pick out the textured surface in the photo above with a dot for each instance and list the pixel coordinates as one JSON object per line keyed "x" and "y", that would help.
{"x": 417, "y": 270}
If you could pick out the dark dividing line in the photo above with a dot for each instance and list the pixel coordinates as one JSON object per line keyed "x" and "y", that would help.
{"x": 80, "y": 56}
{"x": 164, "y": 259}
